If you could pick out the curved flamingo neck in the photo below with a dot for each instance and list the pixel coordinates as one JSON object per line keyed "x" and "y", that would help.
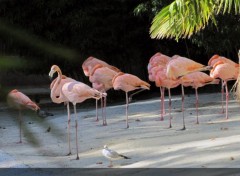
{"x": 57, "y": 98}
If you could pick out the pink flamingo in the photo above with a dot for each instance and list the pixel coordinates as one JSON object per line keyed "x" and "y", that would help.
{"x": 226, "y": 72}
{"x": 127, "y": 83}
{"x": 214, "y": 59}
{"x": 156, "y": 62}
{"x": 88, "y": 66}
{"x": 101, "y": 79}
{"x": 77, "y": 92}
{"x": 162, "y": 80}
{"x": 196, "y": 80}
{"x": 20, "y": 101}
{"x": 57, "y": 97}
{"x": 180, "y": 66}
{"x": 91, "y": 62}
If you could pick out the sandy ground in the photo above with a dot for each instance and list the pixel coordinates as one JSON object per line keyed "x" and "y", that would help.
{"x": 214, "y": 143}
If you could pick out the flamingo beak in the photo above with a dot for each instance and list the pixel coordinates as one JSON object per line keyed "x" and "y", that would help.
{"x": 51, "y": 73}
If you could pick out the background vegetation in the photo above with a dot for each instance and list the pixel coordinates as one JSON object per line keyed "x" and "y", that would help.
{"x": 36, "y": 34}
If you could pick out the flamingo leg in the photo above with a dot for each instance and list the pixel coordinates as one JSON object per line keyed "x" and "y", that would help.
{"x": 184, "y": 127}
{"x": 68, "y": 131}
{"x": 222, "y": 91}
{"x": 227, "y": 98}
{"x": 97, "y": 111}
{"x": 20, "y": 126}
{"x": 130, "y": 97}
{"x": 162, "y": 103}
{"x": 170, "y": 108}
{"x": 127, "y": 126}
{"x": 105, "y": 116}
{"x": 197, "y": 104}
{"x": 102, "y": 105}
{"x": 76, "y": 127}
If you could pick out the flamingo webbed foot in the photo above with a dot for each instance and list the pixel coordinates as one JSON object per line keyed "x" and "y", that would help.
{"x": 184, "y": 128}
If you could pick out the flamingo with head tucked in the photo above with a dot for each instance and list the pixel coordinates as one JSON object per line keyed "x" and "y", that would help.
{"x": 88, "y": 66}
{"x": 226, "y": 72}
{"x": 20, "y": 101}
{"x": 196, "y": 80}
{"x": 216, "y": 58}
{"x": 179, "y": 66}
{"x": 162, "y": 80}
{"x": 101, "y": 79}
{"x": 128, "y": 82}
{"x": 158, "y": 62}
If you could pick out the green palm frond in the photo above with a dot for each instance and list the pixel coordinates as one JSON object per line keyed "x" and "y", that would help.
{"x": 182, "y": 18}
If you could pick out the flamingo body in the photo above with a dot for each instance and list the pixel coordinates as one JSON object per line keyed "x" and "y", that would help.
{"x": 128, "y": 82}
{"x": 180, "y": 66}
{"x": 20, "y": 101}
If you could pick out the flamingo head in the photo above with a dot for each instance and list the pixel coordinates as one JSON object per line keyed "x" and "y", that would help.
{"x": 54, "y": 69}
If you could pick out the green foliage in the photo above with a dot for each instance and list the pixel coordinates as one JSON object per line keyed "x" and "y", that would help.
{"x": 183, "y": 18}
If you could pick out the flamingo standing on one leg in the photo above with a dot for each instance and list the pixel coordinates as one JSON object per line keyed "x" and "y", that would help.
{"x": 20, "y": 101}
{"x": 226, "y": 72}
{"x": 88, "y": 67}
{"x": 128, "y": 82}
{"x": 180, "y": 66}
{"x": 57, "y": 97}
{"x": 196, "y": 80}
{"x": 101, "y": 79}
{"x": 77, "y": 92}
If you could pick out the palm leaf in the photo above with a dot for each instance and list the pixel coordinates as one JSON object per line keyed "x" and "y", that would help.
{"x": 183, "y": 18}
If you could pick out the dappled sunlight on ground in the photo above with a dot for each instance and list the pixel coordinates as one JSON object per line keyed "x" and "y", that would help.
{"x": 148, "y": 142}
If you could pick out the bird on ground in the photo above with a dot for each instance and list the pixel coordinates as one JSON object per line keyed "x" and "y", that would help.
{"x": 158, "y": 62}
{"x": 164, "y": 82}
{"x": 101, "y": 79}
{"x": 20, "y": 101}
{"x": 214, "y": 59}
{"x": 128, "y": 82}
{"x": 57, "y": 97}
{"x": 179, "y": 66}
{"x": 226, "y": 72}
{"x": 112, "y": 155}
{"x": 77, "y": 92}
{"x": 88, "y": 66}
{"x": 196, "y": 80}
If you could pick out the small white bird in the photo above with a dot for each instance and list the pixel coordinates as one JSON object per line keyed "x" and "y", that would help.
{"x": 112, "y": 155}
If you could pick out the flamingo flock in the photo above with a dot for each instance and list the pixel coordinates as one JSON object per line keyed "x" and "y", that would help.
{"x": 167, "y": 73}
